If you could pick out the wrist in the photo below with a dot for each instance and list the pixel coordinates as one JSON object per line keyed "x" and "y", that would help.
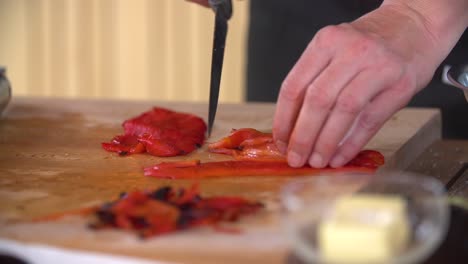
{"x": 420, "y": 35}
{"x": 442, "y": 22}
{"x": 437, "y": 15}
{"x": 404, "y": 33}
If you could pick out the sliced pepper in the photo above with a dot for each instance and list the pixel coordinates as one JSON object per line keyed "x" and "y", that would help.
{"x": 238, "y": 168}
{"x": 160, "y": 132}
{"x": 255, "y": 154}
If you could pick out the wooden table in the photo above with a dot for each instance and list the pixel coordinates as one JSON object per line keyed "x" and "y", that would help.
{"x": 51, "y": 160}
{"x": 446, "y": 160}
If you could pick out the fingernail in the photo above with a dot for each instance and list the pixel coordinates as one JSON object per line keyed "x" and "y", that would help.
{"x": 337, "y": 161}
{"x": 282, "y": 147}
{"x": 295, "y": 160}
{"x": 316, "y": 160}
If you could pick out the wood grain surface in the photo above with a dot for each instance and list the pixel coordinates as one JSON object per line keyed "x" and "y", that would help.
{"x": 447, "y": 161}
{"x": 51, "y": 161}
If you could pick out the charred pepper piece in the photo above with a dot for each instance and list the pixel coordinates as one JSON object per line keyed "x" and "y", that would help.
{"x": 165, "y": 210}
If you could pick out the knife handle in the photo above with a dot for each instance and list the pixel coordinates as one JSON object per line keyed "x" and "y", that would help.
{"x": 222, "y": 7}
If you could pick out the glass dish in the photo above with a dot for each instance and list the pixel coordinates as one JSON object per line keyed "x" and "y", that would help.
{"x": 307, "y": 202}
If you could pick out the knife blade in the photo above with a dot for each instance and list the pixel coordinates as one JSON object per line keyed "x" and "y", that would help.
{"x": 223, "y": 12}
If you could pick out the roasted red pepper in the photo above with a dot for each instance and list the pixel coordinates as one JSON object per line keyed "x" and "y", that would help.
{"x": 231, "y": 144}
{"x": 248, "y": 144}
{"x": 369, "y": 159}
{"x": 160, "y": 132}
{"x": 255, "y": 154}
{"x": 165, "y": 210}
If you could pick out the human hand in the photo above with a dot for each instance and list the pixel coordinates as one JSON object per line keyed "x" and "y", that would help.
{"x": 348, "y": 82}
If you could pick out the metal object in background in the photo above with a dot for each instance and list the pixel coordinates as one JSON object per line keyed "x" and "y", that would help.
{"x": 223, "y": 11}
{"x": 5, "y": 90}
{"x": 457, "y": 76}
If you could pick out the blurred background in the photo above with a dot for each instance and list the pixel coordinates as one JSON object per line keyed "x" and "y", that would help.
{"x": 126, "y": 49}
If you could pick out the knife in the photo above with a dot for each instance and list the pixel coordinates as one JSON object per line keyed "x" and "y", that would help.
{"x": 223, "y": 12}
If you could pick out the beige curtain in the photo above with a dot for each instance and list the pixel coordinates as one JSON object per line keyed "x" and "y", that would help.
{"x": 135, "y": 49}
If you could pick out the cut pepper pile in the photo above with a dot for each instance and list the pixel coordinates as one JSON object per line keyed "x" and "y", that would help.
{"x": 160, "y": 132}
{"x": 255, "y": 154}
{"x": 167, "y": 210}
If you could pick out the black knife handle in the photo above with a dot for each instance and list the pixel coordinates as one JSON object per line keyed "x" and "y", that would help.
{"x": 222, "y": 8}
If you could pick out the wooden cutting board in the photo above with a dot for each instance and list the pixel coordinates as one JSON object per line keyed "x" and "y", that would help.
{"x": 51, "y": 161}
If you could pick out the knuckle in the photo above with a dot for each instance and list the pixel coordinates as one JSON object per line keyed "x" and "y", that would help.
{"x": 330, "y": 30}
{"x": 350, "y": 150}
{"x": 350, "y": 104}
{"x": 327, "y": 35}
{"x": 404, "y": 88}
{"x": 369, "y": 122}
{"x": 290, "y": 91}
{"x": 299, "y": 144}
{"x": 280, "y": 132}
{"x": 407, "y": 83}
{"x": 346, "y": 155}
{"x": 319, "y": 98}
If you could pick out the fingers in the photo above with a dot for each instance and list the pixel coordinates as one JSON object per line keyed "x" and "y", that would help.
{"x": 292, "y": 92}
{"x": 372, "y": 118}
{"x": 341, "y": 91}
{"x": 351, "y": 101}
{"x": 318, "y": 101}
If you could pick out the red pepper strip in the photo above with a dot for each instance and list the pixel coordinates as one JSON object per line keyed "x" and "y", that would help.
{"x": 248, "y": 144}
{"x": 125, "y": 144}
{"x": 259, "y": 149}
{"x": 160, "y": 132}
{"x": 238, "y": 168}
{"x": 234, "y": 140}
{"x": 368, "y": 158}
{"x": 178, "y": 164}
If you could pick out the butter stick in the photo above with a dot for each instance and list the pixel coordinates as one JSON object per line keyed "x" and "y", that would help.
{"x": 364, "y": 229}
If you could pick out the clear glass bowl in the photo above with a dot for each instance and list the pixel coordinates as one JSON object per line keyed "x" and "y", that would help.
{"x": 309, "y": 201}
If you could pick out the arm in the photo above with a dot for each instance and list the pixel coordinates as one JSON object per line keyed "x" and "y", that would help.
{"x": 354, "y": 76}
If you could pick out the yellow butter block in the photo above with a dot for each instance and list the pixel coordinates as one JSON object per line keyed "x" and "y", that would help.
{"x": 364, "y": 229}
